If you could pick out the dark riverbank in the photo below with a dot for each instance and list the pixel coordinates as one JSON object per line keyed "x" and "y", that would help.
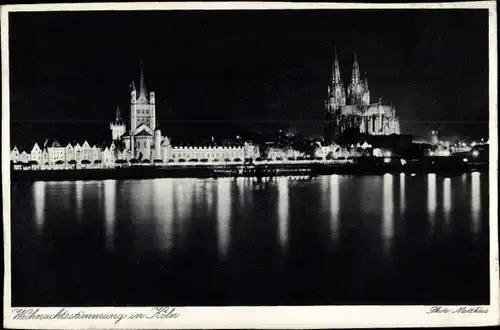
{"x": 445, "y": 166}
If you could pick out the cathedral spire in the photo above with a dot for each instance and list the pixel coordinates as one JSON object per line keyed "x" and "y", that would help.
{"x": 336, "y": 71}
{"x": 355, "y": 71}
{"x": 142, "y": 86}
{"x": 366, "y": 82}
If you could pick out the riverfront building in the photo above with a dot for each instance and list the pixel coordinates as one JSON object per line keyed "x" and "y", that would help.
{"x": 353, "y": 109}
{"x": 143, "y": 140}
{"x": 138, "y": 141}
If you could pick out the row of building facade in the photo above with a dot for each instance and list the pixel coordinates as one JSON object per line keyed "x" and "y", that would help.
{"x": 53, "y": 154}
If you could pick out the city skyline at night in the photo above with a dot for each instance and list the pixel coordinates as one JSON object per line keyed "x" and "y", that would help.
{"x": 281, "y": 161}
{"x": 259, "y": 76}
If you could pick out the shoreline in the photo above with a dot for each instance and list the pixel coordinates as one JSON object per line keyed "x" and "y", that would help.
{"x": 449, "y": 168}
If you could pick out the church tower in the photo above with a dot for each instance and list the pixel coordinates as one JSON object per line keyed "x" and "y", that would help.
{"x": 336, "y": 92}
{"x": 366, "y": 92}
{"x": 357, "y": 91}
{"x": 336, "y": 98}
{"x": 117, "y": 126}
{"x": 142, "y": 108}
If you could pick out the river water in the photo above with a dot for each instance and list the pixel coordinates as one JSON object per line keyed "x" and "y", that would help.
{"x": 388, "y": 239}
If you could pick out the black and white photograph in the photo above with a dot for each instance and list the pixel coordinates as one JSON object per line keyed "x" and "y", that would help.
{"x": 166, "y": 159}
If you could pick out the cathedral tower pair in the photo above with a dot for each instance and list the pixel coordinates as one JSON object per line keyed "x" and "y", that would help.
{"x": 357, "y": 91}
{"x": 350, "y": 110}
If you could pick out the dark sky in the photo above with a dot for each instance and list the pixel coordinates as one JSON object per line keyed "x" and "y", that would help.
{"x": 214, "y": 70}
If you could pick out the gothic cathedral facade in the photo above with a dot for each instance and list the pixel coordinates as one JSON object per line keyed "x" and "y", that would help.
{"x": 353, "y": 110}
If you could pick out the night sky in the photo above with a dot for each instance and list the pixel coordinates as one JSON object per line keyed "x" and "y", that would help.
{"x": 225, "y": 71}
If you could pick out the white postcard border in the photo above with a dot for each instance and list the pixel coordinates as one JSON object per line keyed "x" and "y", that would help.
{"x": 252, "y": 317}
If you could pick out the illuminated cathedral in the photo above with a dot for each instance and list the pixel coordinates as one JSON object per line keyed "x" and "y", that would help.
{"x": 353, "y": 110}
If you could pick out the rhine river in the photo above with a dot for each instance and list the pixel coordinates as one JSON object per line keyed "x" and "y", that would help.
{"x": 386, "y": 239}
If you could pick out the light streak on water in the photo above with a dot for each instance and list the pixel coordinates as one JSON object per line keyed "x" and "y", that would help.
{"x": 164, "y": 212}
{"x": 110, "y": 212}
{"x": 240, "y": 184}
{"x": 197, "y": 194}
{"x": 283, "y": 210}
{"x": 476, "y": 202}
{"x": 402, "y": 201}
{"x": 249, "y": 187}
{"x": 209, "y": 194}
{"x": 431, "y": 199}
{"x": 39, "y": 203}
{"x": 180, "y": 194}
{"x": 100, "y": 198}
{"x": 334, "y": 204}
{"x": 324, "y": 184}
{"x": 140, "y": 197}
{"x": 183, "y": 196}
{"x": 223, "y": 216}
{"x": 388, "y": 212}
{"x": 447, "y": 199}
{"x": 79, "y": 199}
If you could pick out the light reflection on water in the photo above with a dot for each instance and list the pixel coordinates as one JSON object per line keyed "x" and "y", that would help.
{"x": 181, "y": 190}
{"x": 209, "y": 195}
{"x": 159, "y": 223}
{"x": 240, "y": 183}
{"x": 431, "y": 200}
{"x": 476, "y": 202}
{"x": 402, "y": 203}
{"x": 167, "y": 205}
{"x": 79, "y": 199}
{"x": 283, "y": 210}
{"x": 447, "y": 199}
{"x": 109, "y": 212}
{"x": 223, "y": 215}
{"x": 178, "y": 199}
{"x": 39, "y": 203}
{"x": 163, "y": 208}
{"x": 388, "y": 213}
{"x": 335, "y": 204}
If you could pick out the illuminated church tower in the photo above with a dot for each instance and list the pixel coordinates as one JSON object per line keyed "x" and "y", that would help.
{"x": 335, "y": 100}
{"x": 336, "y": 92}
{"x": 143, "y": 136}
{"x": 142, "y": 109}
{"x": 117, "y": 126}
{"x": 357, "y": 91}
